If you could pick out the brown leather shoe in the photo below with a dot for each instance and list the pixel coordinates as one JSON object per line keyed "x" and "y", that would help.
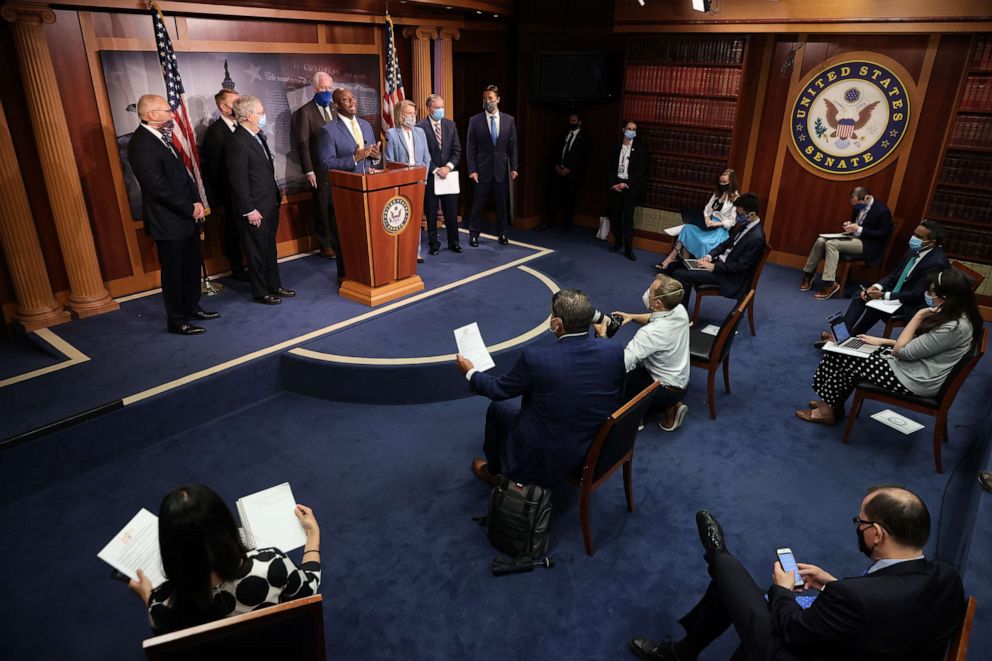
{"x": 480, "y": 468}
{"x": 825, "y": 417}
{"x": 806, "y": 283}
{"x": 828, "y": 291}
{"x": 824, "y": 338}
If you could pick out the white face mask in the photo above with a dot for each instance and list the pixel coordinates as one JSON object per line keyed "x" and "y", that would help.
{"x": 647, "y": 299}
{"x": 409, "y": 122}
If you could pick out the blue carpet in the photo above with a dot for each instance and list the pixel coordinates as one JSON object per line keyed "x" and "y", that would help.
{"x": 407, "y": 571}
{"x": 19, "y": 356}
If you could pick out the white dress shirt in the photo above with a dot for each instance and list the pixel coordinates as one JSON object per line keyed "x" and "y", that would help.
{"x": 888, "y": 562}
{"x": 860, "y": 220}
{"x": 662, "y": 346}
{"x": 436, "y": 126}
{"x": 408, "y": 138}
{"x": 231, "y": 123}
{"x": 623, "y": 166}
{"x": 737, "y": 239}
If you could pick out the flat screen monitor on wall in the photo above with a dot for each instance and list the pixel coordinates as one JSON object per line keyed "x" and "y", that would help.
{"x": 575, "y": 76}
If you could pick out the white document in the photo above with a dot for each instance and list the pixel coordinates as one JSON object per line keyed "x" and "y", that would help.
{"x": 136, "y": 547}
{"x": 901, "y": 423}
{"x": 269, "y": 519}
{"x": 712, "y": 329}
{"x": 447, "y": 186}
{"x": 836, "y": 235}
{"x": 885, "y": 306}
{"x": 674, "y": 230}
{"x": 470, "y": 344}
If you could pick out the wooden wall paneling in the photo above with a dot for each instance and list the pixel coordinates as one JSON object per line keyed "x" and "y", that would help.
{"x": 755, "y": 94}
{"x": 908, "y": 50}
{"x": 347, "y": 33}
{"x": 241, "y": 29}
{"x": 119, "y": 25}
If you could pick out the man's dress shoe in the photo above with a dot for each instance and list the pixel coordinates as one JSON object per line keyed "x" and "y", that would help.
{"x": 503, "y": 240}
{"x": 480, "y": 468}
{"x": 652, "y": 651}
{"x": 187, "y": 329}
{"x": 455, "y": 248}
{"x": 435, "y": 250}
{"x": 629, "y": 254}
{"x": 203, "y": 315}
{"x": 282, "y": 292}
{"x": 268, "y": 299}
{"x": 473, "y": 241}
{"x": 710, "y": 533}
{"x": 420, "y": 260}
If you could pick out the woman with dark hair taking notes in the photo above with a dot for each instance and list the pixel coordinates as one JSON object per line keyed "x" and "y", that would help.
{"x": 719, "y": 215}
{"x": 209, "y": 573}
{"x": 916, "y": 363}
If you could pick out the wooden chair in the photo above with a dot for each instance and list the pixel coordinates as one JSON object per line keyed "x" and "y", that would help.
{"x": 613, "y": 447}
{"x": 293, "y": 630}
{"x": 939, "y": 405}
{"x": 709, "y": 351}
{"x": 976, "y": 281}
{"x": 847, "y": 262}
{"x": 713, "y": 290}
{"x": 957, "y": 650}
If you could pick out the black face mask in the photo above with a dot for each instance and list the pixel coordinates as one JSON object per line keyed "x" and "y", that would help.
{"x": 722, "y": 187}
{"x": 861, "y": 543}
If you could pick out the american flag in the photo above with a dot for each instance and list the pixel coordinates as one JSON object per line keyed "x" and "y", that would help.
{"x": 183, "y": 139}
{"x": 394, "y": 81}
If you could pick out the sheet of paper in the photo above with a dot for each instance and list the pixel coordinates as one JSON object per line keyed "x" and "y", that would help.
{"x": 447, "y": 186}
{"x": 269, "y": 516}
{"x": 836, "y": 235}
{"x": 470, "y": 344}
{"x": 136, "y": 547}
{"x": 712, "y": 329}
{"x": 898, "y": 422}
{"x": 885, "y": 306}
{"x": 674, "y": 231}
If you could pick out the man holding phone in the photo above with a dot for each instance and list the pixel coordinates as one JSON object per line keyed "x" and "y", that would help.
{"x": 903, "y": 607}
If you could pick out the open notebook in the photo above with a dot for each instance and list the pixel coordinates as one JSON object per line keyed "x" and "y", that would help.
{"x": 268, "y": 519}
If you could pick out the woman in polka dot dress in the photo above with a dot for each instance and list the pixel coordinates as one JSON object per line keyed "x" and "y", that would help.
{"x": 210, "y": 574}
{"x": 917, "y": 363}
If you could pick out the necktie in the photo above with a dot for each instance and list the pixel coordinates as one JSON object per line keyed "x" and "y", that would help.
{"x": 325, "y": 113}
{"x": 905, "y": 273}
{"x": 437, "y": 133}
{"x": 356, "y": 133}
{"x": 568, "y": 145}
{"x": 168, "y": 144}
{"x": 492, "y": 129}
{"x": 265, "y": 145}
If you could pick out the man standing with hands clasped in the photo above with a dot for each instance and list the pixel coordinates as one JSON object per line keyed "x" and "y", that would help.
{"x": 492, "y": 152}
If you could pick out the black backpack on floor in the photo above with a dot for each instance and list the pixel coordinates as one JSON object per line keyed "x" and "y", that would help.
{"x": 519, "y": 519}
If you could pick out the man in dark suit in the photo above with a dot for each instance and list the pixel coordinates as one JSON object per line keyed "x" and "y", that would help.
{"x": 906, "y": 283}
{"x": 866, "y": 234}
{"x": 256, "y": 200}
{"x": 903, "y": 607}
{"x": 171, "y": 208}
{"x": 627, "y": 170}
{"x": 306, "y": 127}
{"x": 492, "y": 163}
{"x": 731, "y": 264}
{"x": 568, "y": 389}
{"x": 213, "y": 158}
{"x": 446, "y": 151}
{"x": 569, "y": 155}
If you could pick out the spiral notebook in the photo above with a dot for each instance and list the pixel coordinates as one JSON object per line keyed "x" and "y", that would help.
{"x": 268, "y": 519}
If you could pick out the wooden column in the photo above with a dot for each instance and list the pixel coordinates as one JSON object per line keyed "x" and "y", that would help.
{"x": 36, "y": 307}
{"x": 447, "y": 85}
{"x": 421, "y": 65}
{"x": 87, "y": 293}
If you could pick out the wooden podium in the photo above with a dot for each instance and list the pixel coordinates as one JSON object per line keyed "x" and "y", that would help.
{"x": 378, "y": 217}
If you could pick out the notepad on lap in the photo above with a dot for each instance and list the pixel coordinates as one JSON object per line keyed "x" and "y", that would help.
{"x": 269, "y": 519}
{"x": 136, "y": 547}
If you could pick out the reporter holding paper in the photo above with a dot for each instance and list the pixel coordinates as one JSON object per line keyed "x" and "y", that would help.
{"x": 209, "y": 573}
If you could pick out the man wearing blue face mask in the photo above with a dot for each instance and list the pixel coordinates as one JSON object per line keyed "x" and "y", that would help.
{"x": 446, "y": 151}
{"x": 308, "y": 121}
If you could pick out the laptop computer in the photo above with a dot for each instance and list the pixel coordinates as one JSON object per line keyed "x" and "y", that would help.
{"x": 843, "y": 342}
{"x": 691, "y": 264}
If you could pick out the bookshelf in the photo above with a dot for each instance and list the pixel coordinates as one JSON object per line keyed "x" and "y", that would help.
{"x": 962, "y": 197}
{"x": 683, "y": 94}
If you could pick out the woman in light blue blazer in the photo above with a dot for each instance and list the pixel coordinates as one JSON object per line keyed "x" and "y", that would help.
{"x": 398, "y": 142}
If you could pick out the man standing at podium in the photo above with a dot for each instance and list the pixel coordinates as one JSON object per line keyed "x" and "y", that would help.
{"x": 492, "y": 163}
{"x": 346, "y": 144}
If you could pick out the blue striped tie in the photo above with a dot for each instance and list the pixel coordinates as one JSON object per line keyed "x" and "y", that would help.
{"x": 492, "y": 129}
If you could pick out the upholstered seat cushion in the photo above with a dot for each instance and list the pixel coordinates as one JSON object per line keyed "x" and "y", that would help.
{"x": 700, "y": 345}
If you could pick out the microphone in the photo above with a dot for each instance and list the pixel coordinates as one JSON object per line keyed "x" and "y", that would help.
{"x": 503, "y": 567}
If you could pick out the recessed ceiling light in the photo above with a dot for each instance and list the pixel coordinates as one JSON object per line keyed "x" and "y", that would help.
{"x": 478, "y": 11}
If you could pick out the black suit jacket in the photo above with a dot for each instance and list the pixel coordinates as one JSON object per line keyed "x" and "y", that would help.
{"x": 637, "y": 167}
{"x": 167, "y": 191}
{"x": 735, "y": 273}
{"x": 306, "y": 127}
{"x": 906, "y": 611}
{"x": 252, "y": 176}
{"x": 213, "y": 158}
{"x": 911, "y": 294}
{"x": 492, "y": 162}
{"x": 576, "y": 157}
{"x": 451, "y": 147}
{"x": 875, "y": 230}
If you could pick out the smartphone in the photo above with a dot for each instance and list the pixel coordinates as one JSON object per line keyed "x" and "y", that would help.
{"x": 788, "y": 562}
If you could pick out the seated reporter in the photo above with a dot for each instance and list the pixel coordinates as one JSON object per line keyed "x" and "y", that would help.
{"x": 916, "y": 363}
{"x": 210, "y": 575}
{"x": 567, "y": 391}
{"x": 659, "y": 350}
{"x": 719, "y": 216}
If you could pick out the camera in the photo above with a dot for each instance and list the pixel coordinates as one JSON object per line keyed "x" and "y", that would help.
{"x": 615, "y": 321}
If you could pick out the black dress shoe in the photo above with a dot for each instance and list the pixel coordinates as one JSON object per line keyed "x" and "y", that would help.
{"x": 420, "y": 260}
{"x": 710, "y": 533}
{"x": 187, "y": 329}
{"x": 629, "y": 254}
{"x": 473, "y": 241}
{"x": 503, "y": 240}
{"x": 268, "y": 299}
{"x": 203, "y": 315}
{"x": 435, "y": 250}
{"x": 282, "y": 292}
{"x": 648, "y": 649}
{"x": 455, "y": 248}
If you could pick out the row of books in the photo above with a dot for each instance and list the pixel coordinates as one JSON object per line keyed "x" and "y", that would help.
{"x": 972, "y": 131}
{"x": 683, "y": 80}
{"x": 685, "y": 112}
{"x": 983, "y": 54}
{"x": 676, "y": 141}
{"x": 715, "y": 51}
{"x": 666, "y": 196}
{"x": 973, "y": 171}
{"x": 977, "y": 93}
{"x": 971, "y": 243}
{"x": 962, "y": 205}
{"x": 706, "y": 174}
